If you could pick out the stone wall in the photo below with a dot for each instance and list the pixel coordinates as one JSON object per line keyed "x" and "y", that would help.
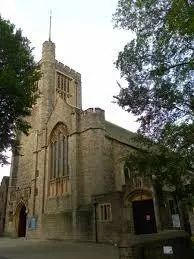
{"x": 110, "y": 231}
{"x": 169, "y": 244}
{"x": 57, "y": 225}
{"x": 91, "y": 154}
{"x": 3, "y": 202}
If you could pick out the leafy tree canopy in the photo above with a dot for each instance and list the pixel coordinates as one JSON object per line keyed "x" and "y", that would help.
{"x": 158, "y": 65}
{"x": 18, "y": 85}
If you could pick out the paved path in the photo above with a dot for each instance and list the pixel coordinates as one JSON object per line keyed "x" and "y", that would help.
{"x": 37, "y": 249}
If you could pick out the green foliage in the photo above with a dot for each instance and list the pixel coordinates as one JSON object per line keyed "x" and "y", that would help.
{"x": 158, "y": 65}
{"x": 180, "y": 18}
{"x": 18, "y": 85}
{"x": 167, "y": 168}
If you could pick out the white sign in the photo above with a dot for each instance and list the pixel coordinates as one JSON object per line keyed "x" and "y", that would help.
{"x": 148, "y": 217}
{"x": 176, "y": 221}
{"x": 168, "y": 250}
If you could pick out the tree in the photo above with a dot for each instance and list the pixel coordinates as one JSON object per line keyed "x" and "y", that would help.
{"x": 18, "y": 85}
{"x": 158, "y": 65}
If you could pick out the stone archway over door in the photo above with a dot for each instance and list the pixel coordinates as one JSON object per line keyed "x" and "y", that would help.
{"x": 142, "y": 210}
{"x": 22, "y": 222}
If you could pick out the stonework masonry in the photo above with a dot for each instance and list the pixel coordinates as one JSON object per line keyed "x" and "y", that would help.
{"x": 94, "y": 153}
{"x": 3, "y": 202}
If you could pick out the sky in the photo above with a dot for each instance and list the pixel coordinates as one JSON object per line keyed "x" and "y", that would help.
{"x": 85, "y": 40}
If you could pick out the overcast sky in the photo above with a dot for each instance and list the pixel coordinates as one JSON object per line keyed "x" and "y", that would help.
{"x": 85, "y": 40}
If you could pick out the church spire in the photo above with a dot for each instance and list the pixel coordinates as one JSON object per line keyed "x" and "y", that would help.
{"x": 50, "y": 26}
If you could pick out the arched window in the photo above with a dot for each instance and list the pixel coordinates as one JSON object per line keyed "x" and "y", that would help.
{"x": 63, "y": 85}
{"x": 58, "y": 160}
{"x": 127, "y": 173}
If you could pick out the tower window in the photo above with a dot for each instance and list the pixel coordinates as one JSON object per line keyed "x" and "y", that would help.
{"x": 63, "y": 85}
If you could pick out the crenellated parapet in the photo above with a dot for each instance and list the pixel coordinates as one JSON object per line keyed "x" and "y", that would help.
{"x": 92, "y": 118}
{"x": 94, "y": 111}
{"x": 67, "y": 71}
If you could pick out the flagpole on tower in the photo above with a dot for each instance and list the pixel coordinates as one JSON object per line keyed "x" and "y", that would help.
{"x": 50, "y": 26}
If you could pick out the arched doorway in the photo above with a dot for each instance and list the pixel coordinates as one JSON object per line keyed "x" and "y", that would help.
{"x": 22, "y": 222}
{"x": 144, "y": 217}
{"x": 143, "y": 211}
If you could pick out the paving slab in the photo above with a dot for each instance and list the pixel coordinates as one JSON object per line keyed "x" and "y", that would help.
{"x": 49, "y": 249}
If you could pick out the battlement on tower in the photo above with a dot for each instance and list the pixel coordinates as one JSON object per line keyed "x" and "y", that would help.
{"x": 98, "y": 111}
{"x": 67, "y": 70}
{"x": 92, "y": 118}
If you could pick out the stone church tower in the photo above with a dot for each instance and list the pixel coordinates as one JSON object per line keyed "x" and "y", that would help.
{"x": 70, "y": 180}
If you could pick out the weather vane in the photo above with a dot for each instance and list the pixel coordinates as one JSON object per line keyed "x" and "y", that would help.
{"x": 50, "y": 26}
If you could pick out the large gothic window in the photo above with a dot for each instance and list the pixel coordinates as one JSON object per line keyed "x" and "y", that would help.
{"x": 58, "y": 160}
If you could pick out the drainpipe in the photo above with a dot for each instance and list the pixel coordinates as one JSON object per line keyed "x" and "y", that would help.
{"x": 95, "y": 218}
{"x": 36, "y": 168}
{"x": 156, "y": 204}
{"x": 44, "y": 175}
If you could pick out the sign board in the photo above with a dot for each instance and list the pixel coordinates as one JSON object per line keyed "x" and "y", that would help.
{"x": 33, "y": 223}
{"x": 28, "y": 222}
{"x": 176, "y": 221}
{"x": 168, "y": 250}
{"x": 148, "y": 217}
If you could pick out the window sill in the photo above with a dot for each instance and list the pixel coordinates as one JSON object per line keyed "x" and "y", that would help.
{"x": 105, "y": 221}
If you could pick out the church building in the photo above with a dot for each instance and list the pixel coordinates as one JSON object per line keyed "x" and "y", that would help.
{"x": 70, "y": 179}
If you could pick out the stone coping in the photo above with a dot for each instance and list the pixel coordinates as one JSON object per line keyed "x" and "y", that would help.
{"x": 133, "y": 240}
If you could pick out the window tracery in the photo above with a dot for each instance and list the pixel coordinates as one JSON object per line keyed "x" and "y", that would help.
{"x": 63, "y": 85}
{"x": 58, "y": 160}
